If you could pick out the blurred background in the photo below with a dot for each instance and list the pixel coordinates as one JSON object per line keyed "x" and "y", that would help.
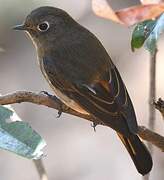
{"x": 74, "y": 151}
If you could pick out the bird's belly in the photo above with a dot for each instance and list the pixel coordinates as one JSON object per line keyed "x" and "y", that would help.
{"x": 69, "y": 102}
{"x": 65, "y": 99}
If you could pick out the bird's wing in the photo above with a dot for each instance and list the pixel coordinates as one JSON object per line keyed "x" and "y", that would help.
{"x": 108, "y": 100}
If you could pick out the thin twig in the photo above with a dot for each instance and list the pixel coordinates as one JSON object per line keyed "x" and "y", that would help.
{"x": 40, "y": 169}
{"x": 42, "y": 99}
{"x": 152, "y": 97}
{"x": 152, "y": 92}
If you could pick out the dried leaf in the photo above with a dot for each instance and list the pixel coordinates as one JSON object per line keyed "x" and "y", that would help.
{"x": 140, "y": 13}
{"x": 150, "y": 1}
{"x": 101, "y": 8}
{"x": 128, "y": 16}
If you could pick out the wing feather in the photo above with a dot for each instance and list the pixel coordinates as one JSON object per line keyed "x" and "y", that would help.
{"x": 110, "y": 102}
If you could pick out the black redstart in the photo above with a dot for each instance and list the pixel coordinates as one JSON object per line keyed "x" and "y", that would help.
{"x": 83, "y": 76}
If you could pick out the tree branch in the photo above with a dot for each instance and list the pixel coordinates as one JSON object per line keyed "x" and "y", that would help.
{"x": 151, "y": 137}
{"x": 53, "y": 102}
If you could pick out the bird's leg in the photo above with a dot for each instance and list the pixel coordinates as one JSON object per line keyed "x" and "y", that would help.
{"x": 93, "y": 125}
{"x": 60, "y": 111}
{"x": 62, "y": 108}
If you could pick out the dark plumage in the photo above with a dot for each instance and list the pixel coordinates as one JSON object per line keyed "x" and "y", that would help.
{"x": 82, "y": 75}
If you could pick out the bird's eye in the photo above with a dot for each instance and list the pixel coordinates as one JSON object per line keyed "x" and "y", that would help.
{"x": 44, "y": 26}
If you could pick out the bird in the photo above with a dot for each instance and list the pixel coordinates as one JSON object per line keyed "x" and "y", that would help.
{"x": 82, "y": 75}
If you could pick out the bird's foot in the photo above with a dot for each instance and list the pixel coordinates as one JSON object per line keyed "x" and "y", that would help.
{"x": 50, "y": 96}
{"x": 60, "y": 111}
{"x": 46, "y": 93}
{"x": 93, "y": 125}
{"x": 62, "y": 107}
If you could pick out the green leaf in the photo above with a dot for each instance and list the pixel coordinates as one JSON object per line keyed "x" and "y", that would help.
{"x": 141, "y": 33}
{"x": 19, "y": 137}
{"x": 147, "y": 33}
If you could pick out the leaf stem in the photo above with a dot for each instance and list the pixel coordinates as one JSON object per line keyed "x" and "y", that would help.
{"x": 42, "y": 99}
{"x": 40, "y": 169}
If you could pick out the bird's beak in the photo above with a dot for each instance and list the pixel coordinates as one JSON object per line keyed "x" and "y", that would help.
{"x": 20, "y": 27}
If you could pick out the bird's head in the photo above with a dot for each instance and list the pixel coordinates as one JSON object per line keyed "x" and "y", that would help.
{"x": 45, "y": 24}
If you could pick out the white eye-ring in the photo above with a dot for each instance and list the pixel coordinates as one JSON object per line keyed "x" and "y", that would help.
{"x": 44, "y": 26}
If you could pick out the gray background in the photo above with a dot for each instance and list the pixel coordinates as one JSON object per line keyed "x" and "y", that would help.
{"x": 74, "y": 151}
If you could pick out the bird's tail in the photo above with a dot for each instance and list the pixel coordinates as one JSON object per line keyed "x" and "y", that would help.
{"x": 138, "y": 152}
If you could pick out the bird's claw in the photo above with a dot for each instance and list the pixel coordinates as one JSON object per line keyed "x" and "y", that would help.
{"x": 93, "y": 125}
{"x": 62, "y": 109}
{"x": 45, "y": 93}
{"x": 59, "y": 113}
{"x": 54, "y": 98}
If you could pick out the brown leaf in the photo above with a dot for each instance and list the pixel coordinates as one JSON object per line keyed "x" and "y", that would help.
{"x": 160, "y": 106}
{"x": 140, "y": 13}
{"x": 151, "y": 1}
{"x": 101, "y": 8}
{"x": 128, "y": 16}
